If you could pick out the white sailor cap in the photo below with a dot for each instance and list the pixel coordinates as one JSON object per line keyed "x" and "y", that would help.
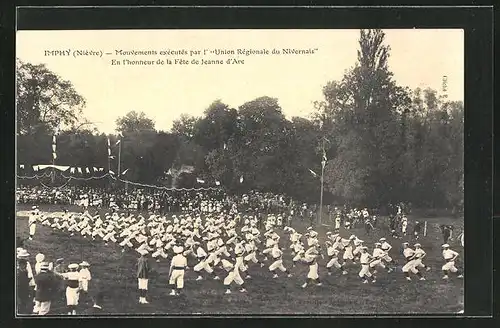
{"x": 417, "y": 245}
{"x": 382, "y": 239}
{"x": 352, "y": 237}
{"x": 378, "y": 244}
{"x": 445, "y": 246}
{"x": 84, "y": 264}
{"x": 73, "y": 266}
{"x": 39, "y": 257}
{"x": 178, "y": 249}
{"x": 328, "y": 233}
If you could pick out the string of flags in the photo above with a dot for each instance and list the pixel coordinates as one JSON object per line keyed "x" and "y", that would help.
{"x": 63, "y": 168}
{"x": 54, "y": 154}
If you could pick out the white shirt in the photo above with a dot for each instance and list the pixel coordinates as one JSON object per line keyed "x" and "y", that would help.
{"x": 386, "y": 246}
{"x": 85, "y": 274}
{"x": 72, "y": 275}
{"x": 448, "y": 254}
{"x": 419, "y": 253}
{"x": 200, "y": 253}
{"x": 364, "y": 258}
{"x": 408, "y": 252}
{"x": 178, "y": 260}
{"x": 378, "y": 253}
{"x": 332, "y": 251}
{"x": 276, "y": 252}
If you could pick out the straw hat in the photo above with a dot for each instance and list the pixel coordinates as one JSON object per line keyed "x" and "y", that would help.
{"x": 22, "y": 254}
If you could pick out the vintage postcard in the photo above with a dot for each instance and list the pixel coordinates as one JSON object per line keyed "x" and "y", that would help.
{"x": 244, "y": 171}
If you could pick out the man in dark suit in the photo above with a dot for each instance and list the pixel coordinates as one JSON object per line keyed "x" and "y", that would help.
{"x": 23, "y": 288}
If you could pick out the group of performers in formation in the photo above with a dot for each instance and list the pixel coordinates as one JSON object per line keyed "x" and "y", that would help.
{"x": 220, "y": 246}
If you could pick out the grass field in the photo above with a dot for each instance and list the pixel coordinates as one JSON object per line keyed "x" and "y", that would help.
{"x": 113, "y": 272}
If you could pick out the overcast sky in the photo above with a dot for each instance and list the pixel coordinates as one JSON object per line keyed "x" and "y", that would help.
{"x": 418, "y": 58}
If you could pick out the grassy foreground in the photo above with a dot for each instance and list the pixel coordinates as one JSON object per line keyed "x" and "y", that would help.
{"x": 113, "y": 273}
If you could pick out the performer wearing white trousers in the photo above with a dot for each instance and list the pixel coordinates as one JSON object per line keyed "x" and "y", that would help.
{"x": 376, "y": 261}
{"x": 333, "y": 255}
{"x": 177, "y": 269}
{"x": 450, "y": 256}
{"x": 409, "y": 255}
{"x": 310, "y": 258}
{"x": 386, "y": 247}
{"x": 365, "y": 259}
{"x": 347, "y": 243}
{"x": 278, "y": 261}
{"x": 233, "y": 275}
{"x": 32, "y": 219}
{"x": 72, "y": 287}
{"x": 419, "y": 256}
{"x": 203, "y": 264}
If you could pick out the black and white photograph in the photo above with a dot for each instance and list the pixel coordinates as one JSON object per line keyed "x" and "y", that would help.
{"x": 239, "y": 172}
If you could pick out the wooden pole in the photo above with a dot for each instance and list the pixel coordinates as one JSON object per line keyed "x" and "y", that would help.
{"x": 425, "y": 229}
{"x": 323, "y": 163}
{"x": 119, "y": 159}
{"x": 321, "y": 195}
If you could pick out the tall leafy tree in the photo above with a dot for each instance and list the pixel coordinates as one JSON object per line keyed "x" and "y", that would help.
{"x": 364, "y": 110}
{"x": 44, "y": 100}
{"x": 134, "y": 122}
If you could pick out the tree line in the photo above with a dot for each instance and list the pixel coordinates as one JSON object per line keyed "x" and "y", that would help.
{"x": 383, "y": 142}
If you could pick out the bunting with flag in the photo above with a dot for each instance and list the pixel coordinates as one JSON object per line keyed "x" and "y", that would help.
{"x": 54, "y": 154}
{"x": 95, "y": 169}
{"x": 79, "y": 170}
{"x": 87, "y": 170}
{"x": 101, "y": 169}
{"x": 241, "y": 179}
{"x": 35, "y": 168}
{"x": 200, "y": 180}
{"x": 72, "y": 170}
{"x": 217, "y": 183}
{"x": 21, "y": 166}
{"x": 58, "y": 167}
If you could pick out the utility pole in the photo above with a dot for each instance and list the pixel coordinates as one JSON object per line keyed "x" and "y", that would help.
{"x": 323, "y": 164}
{"x": 119, "y": 158}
